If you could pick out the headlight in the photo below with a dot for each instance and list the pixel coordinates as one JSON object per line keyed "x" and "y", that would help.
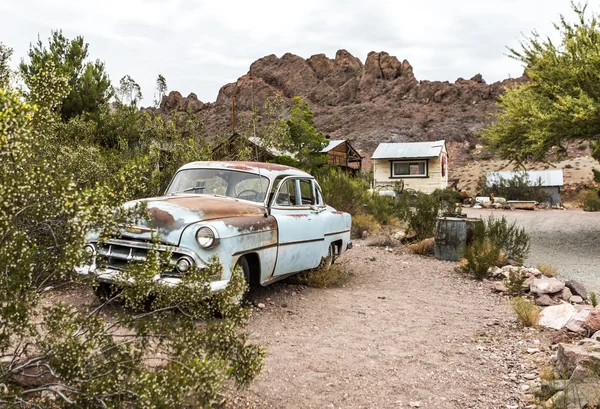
{"x": 90, "y": 253}
{"x": 207, "y": 237}
{"x": 184, "y": 264}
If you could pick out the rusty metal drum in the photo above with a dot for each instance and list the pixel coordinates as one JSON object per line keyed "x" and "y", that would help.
{"x": 453, "y": 235}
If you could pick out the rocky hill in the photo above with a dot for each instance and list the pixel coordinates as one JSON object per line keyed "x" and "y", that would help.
{"x": 379, "y": 100}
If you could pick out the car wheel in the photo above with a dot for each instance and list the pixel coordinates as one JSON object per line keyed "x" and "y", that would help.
{"x": 328, "y": 261}
{"x": 243, "y": 263}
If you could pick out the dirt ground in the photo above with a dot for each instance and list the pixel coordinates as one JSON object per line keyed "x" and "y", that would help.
{"x": 567, "y": 239}
{"x": 404, "y": 331}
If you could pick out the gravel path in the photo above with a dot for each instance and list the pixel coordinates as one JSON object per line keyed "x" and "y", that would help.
{"x": 567, "y": 239}
{"x": 404, "y": 331}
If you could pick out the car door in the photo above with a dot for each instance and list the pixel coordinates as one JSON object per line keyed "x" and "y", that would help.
{"x": 300, "y": 226}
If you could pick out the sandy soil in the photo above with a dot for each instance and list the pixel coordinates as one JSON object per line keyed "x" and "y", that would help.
{"x": 404, "y": 330}
{"x": 567, "y": 239}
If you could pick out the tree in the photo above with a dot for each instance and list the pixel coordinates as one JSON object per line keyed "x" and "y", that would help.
{"x": 561, "y": 102}
{"x": 305, "y": 140}
{"x": 89, "y": 85}
{"x": 129, "y": 92}
{"x": 5, "y": 73}
{"x": 161, "y": 90}
{"x": 175, "y": 355}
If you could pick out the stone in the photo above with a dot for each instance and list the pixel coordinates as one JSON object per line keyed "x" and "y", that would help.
{"x": 570, "y": 356}
{"x": 546, "y": 286}
{"x": 498, "y": 287}
{"x": 593, "y": 320}
{"x": 595, "y": 336}
{"x": 577, "y": 288}
{"x": 414, "y": 404}
{"x": 576, "y": 299}
{"x": 525, "y": 387}
{"x": 566, "y": 294}
{"x": 261, "y": 306}
{"x": 529, "y": 376}
{"x": 544, "y": 300}
{"x": 557, "y": 316}
{"x": 399, "y": 235}
{"x": 577, "y": 322}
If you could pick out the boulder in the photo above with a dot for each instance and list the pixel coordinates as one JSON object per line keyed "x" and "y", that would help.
{"x": 566, "y": 294}
{"x": 576, "y": 299}
{"x": 569, "y": 356}
{"x": 546, "y": 286}
{"x": 593, "y": 320}
{"x": 581, "y": 391}
{"x": 557, "y": 316}
{"x": 577, "y": 288}
{"x": 577, "y": 322}
{"x": 544, "y": 300}
{"x": 498, "y": 287}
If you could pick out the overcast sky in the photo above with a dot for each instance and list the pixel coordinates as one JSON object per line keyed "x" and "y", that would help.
{"x": 201, "y": 45}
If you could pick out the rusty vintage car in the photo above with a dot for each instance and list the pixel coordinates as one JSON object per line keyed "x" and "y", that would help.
{"x": 269, "y": 219}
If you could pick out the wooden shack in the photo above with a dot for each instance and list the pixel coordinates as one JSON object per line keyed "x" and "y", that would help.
{"x": 341, "y": 153}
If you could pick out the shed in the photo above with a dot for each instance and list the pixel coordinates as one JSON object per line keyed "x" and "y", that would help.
{"x": 551, "y": 181}
{"x": 341, "y": 153}
{"x": 422, "y": 166}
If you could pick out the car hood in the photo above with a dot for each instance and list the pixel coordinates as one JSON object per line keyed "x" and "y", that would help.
{"x": 170, "y": 215}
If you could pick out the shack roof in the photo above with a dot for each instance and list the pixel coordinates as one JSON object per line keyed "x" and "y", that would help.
{"x": 547, "y": 177}
{"x": 332, "y": 144}
{"x": 400, "y": 150}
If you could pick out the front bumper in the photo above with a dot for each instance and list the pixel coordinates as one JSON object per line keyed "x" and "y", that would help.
{"x": 109, "y": 275}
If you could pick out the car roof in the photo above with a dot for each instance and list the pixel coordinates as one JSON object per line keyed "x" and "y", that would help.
{"x": 270, "y": 170}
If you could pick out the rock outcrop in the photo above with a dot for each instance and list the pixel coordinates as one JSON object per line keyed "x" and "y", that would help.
{"x": 378, "y": 101}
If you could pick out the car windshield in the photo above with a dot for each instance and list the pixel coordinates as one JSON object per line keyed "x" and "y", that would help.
{"x": 240, "y": 185}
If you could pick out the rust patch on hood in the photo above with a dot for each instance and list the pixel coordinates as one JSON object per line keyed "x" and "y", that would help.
{"x": 161, "y": 218}
{"x": 215, "y": 207}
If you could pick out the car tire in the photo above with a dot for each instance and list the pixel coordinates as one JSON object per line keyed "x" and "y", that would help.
{"x": 243, "y": 263}
{"x": 328, "y": 261}
{"x": 104, "y": 291}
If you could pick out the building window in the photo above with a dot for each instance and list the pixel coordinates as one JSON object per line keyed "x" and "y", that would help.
{"x": 409, "y": 169}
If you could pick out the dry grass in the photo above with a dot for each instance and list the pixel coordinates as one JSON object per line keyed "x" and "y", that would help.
{"x": 547, "y": 270}
{"x": 423, "y": 247}
{"x": 527, "y": 312}
{"x": 364, "y": 223}
{"x": 324, "y": 277}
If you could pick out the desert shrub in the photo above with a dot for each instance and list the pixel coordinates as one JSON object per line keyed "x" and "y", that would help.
{"x": 591, "y": 201}
{"x": 423, "y": 247}
{"x": 343, "y": 192}
{"x": 324, "y": 277}
{"x": 514, "y": 282}
{"x": 593, "y": 299}
{"x": 363, "y": 223}
{"x": 517, "y": 188}
{"x": 527, "y": 312}
{"x": 479, "y": 257}
{"x": 448, "y": 199}
{"x": 79, "y": 358}
{"x": 508, "y": 237}
{"x": 420, "y": 211}
{"x": 547, "y": 270}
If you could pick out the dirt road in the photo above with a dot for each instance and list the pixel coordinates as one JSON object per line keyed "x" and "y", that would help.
{"x": 567, "y": 239}
{"x": 404, "y": 330}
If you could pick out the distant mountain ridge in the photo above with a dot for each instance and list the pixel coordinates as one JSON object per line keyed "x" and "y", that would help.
{"x": 379, "y": 100}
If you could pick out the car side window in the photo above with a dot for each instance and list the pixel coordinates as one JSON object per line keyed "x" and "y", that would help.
{"x": 287, "y": 194}
{"x": 306, "y": 192}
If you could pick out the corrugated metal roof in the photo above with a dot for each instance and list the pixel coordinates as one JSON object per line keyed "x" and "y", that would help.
{"x": 332, "y": 144}
{"x": 408, "y": 150}
{"x": 548, "y": 177}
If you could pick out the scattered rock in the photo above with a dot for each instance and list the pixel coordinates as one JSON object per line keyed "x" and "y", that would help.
{"x": 577, "y": 288}
{"x": 593, "y": 320}
{"x": 261, "y": 306}
{"x": 414, "y": 404}
{"x": 399, "y": 235}
{"x": 546, "y": 286}
{"x": 529, "y": 376}
{"x": 499, "y": 287}
{"x": 566, "y": 294}
{"x": 576, "y": 299}
{"x": 557, "y": 316}
{"x": 570, "y": 356}
{"x": 577, "y": 321}
{"x": 544, "y": 300}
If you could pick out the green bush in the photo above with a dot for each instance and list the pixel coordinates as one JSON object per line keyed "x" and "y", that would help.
{"x": 517, "y": 188}
{"x": 420, "y": 211}
{"x": 479, "y": 258}
{"x": 591, "y": 201}
{"x": 343, "y": 192}
{"x": 508, "y": 237}
{"x": 514, "y": 282}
